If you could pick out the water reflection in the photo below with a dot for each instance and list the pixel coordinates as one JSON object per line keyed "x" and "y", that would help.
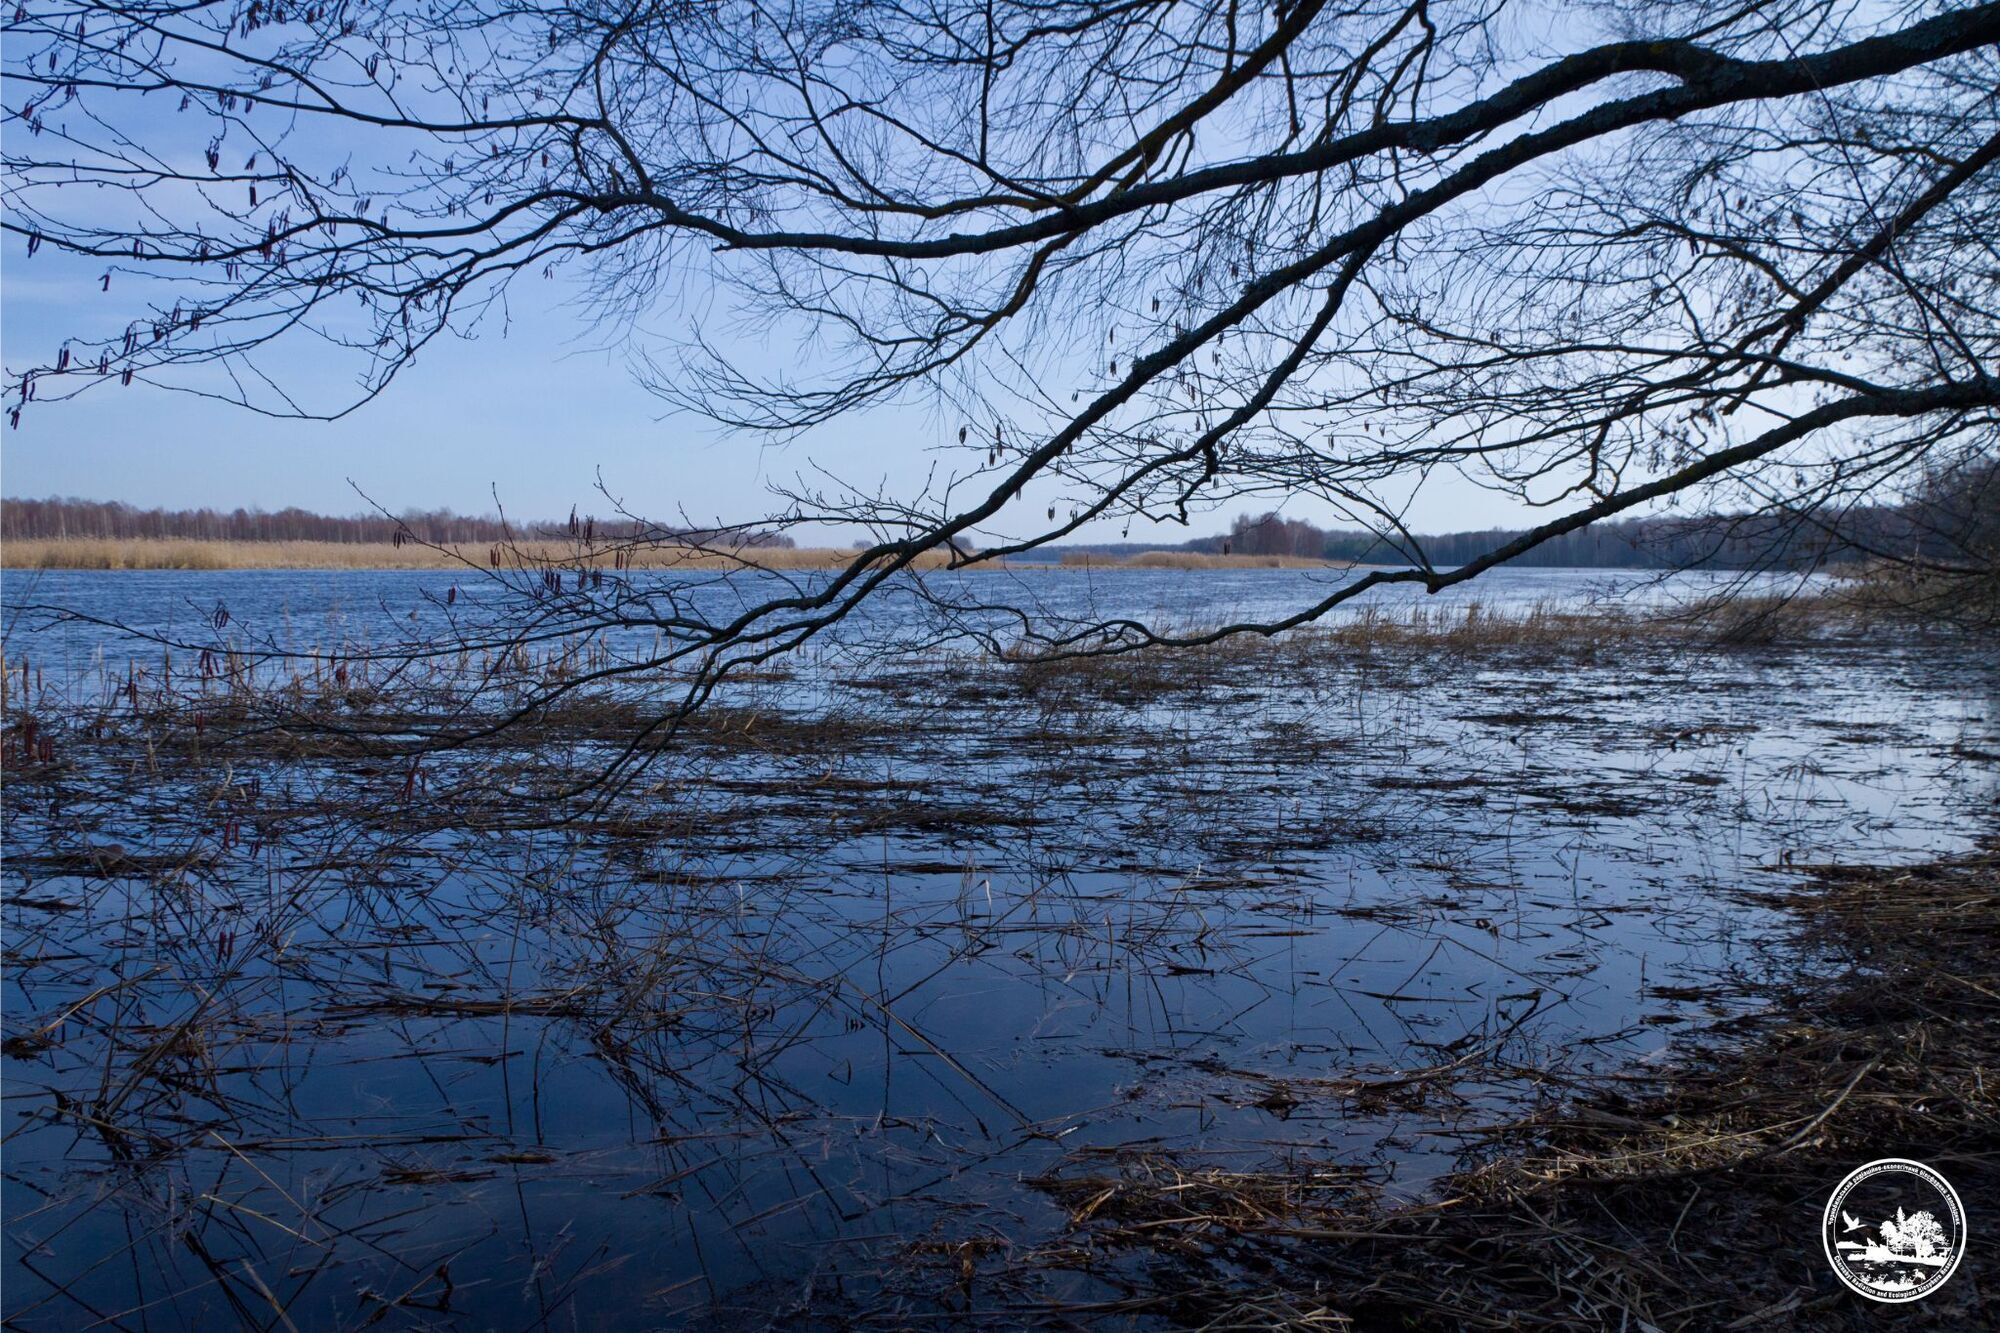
{"x": 803, "y": 1019}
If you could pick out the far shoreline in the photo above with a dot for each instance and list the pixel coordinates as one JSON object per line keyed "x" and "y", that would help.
{"x": 224, "y": 556}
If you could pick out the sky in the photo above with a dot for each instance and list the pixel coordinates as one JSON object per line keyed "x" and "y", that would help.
{"x": 531, "y": 415}
{"x": 534, "y": 415}
{"x": 530, "y": 420}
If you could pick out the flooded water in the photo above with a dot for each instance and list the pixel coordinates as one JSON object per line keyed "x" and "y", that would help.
{"x": 301, "y": 610}
{"x": 808, "y": 1019}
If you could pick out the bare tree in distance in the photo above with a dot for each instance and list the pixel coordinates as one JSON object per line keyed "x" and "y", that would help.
{"x": 1151, "y": 258}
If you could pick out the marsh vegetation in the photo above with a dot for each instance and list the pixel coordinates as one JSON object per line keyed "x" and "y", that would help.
{"x": 907, "y": 985}
{"x": 615, "y": 931}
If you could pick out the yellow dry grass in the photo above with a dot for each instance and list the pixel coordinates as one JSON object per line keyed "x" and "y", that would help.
{"x": 171, "y": 554}
{"x": 91, "y": 553}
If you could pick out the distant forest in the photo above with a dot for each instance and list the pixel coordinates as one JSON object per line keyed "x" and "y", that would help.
{"x": 1936, "y": 527}
{"x": 58, "y": 519}
{"x": 1662, "y": 543}
{"x": 1954, "y": 518}
{"x": 1950, "y": 521}
{"x": 1729, "y": 542}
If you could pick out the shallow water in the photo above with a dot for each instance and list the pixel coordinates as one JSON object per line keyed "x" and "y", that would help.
{"x": 819, "y": 1006}
{"x": 349, "y": 610}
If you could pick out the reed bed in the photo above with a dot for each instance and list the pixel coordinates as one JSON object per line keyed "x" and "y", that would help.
{"x": 224, "y": 555}
{"x": 1970, "y": 598}
{"x": 1473, "y": 629}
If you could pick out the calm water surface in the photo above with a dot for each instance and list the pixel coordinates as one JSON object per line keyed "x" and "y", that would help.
{"x": 303, "y": 610}
{"x": 814, "y": 1010}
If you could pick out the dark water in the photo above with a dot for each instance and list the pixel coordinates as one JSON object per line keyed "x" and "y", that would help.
{"x": 806, "y": 1014}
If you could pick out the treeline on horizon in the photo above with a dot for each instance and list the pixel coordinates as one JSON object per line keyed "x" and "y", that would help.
{"x": 70, "y": 519}
{"x": 1950, "y": 519}
{"x": 1775, "y": 539}
{"x": 1727, "y": 542}
{"x": 1763, "y": 541}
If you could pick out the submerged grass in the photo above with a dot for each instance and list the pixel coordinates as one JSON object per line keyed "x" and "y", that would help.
{"x": 1684, "y": 1199}
{"x": 232, "y": 874}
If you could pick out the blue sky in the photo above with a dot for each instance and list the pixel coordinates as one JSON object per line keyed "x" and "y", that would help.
{"x": 535, "y": 415}
{"x": 536, "y": 412}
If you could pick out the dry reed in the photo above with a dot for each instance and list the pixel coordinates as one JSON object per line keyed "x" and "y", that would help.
{"x": 222, "y": 555}
{"x": 1688, "y": 1199}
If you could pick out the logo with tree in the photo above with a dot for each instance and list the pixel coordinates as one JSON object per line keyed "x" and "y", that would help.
{"x": 1894, "y": 1230}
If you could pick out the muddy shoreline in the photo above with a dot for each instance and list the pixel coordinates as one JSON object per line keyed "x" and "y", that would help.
{"x": 1687, "y": 1199}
